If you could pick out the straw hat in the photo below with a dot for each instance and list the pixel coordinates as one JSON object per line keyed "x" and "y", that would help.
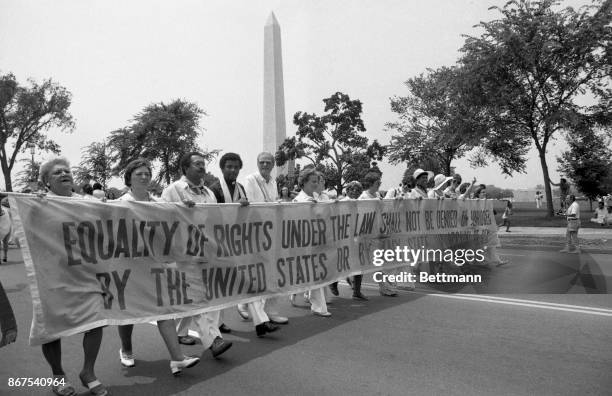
{"x": 441, "y": 179}
{"x": 420, "y": 171}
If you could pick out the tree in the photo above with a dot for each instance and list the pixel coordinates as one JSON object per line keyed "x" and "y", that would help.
{"x": 28, "y": 175}
{"x": 526, "y": 71}
{"x": 588, "y": 162}
{"x": 494, "y": 192}
{"x": 95, "y": 164}
{"x": 161, "y": 132}
{"x": 360, "y": 165}
{"x": 26, "y": 113}
{"x": 333, "y": 139}
{"x": 435, "y": 126}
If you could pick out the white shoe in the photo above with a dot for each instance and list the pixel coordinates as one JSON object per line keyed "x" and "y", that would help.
{"x": 278, "y": 320}
{"x": 127, "y": 360}
{"x": 324, "y": 314}
{"x": 176, "y": 366}
{"x": 243, "y": 312}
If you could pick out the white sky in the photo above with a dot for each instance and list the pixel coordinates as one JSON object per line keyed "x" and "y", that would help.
{"x": 116, "y": 57}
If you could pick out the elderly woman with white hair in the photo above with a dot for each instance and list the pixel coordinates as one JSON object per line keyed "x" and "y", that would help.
{"x": 56, "y": 177}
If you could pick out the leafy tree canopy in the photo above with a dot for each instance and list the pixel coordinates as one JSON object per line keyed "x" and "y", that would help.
{"x": 95, "y": 164}
{"x": 333, "y": 140}
{"x": 526, "y": 71}
{"x": 26, "y": 113}
{"x": 588, "y": 162}
{"x": 162, "y": 133}
{"x": 435, "y": 126}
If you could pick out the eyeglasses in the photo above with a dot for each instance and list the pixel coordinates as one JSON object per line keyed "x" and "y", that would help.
{"x": 61, "y": 171}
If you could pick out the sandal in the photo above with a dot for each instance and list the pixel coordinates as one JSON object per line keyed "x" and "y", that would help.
{"x": 95, "y": 387}
{"x": 64, "y": 389}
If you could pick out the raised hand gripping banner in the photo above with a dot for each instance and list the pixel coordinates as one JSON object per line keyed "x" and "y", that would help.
{"x": 91, "y": 263}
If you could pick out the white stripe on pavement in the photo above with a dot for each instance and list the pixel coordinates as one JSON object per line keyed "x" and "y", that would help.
{"x": 606, "y": 310}
{"x": 512, "y": 301}
{"x": 584, "y": 310}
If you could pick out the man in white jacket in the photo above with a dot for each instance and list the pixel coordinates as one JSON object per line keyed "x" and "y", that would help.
{"x": 261, "y": 187}
{"x": 189, "y": 190}
{"x": 228, "y": 190}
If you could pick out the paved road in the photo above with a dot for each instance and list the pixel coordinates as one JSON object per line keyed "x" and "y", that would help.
{"x": 419, "y": 343}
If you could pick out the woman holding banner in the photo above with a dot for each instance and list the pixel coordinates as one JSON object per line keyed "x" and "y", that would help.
{"x": 309, "y": 183}
{"x": 480, "y": 192}
{"x": 353, "y": 191}
{"x": 371, "y": 184}
{"x": 138, "y": 177}
{"x": 56, "y": 176}
{"x": 421, "y": 178}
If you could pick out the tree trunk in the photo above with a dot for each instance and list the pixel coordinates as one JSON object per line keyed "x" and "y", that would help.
{"x": 7, "y": 181}
{"x": 550, "y": 211}
{"x": 6, "y": 171}
{"x": 167, "y": 168}
{"x": 447, "y": 168}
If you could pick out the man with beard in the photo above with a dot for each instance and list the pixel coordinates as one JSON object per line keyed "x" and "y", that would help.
{"x": 261, "y": 187}
{"x": 189, "y": 190}
{"x": 227, "y": 190}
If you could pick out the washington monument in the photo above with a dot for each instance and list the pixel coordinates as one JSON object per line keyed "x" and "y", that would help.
{"x": 274, "y": 128}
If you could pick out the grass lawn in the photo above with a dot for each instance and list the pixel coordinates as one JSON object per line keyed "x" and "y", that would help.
{"x": 525, "y": 214}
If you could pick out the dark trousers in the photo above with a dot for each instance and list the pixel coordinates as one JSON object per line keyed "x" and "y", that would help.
{"x": 357, "y": 284}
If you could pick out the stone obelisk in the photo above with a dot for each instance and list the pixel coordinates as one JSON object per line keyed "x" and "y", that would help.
{"x": 274, "y": 127}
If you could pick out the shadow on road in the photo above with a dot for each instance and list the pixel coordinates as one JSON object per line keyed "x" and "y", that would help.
{"x": 248, "y": 347}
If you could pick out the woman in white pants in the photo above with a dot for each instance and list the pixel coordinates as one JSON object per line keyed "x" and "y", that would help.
{"x": 309, "y": 181}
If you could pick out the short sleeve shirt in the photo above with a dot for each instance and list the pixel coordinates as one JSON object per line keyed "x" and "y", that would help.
{"x": 260, "y": 190}
{"x": 183, "y": 189}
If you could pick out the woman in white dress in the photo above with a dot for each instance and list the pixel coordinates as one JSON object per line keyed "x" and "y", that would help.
{"x": 138, "y": 177}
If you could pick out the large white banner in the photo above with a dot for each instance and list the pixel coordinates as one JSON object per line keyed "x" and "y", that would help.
{"x": 91, "y": 263}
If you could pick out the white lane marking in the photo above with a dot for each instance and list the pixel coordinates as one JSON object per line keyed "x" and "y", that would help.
{"x": 541, "y": 306}
{"x": 512, "y": 301}
{"x": 606, "y": 310}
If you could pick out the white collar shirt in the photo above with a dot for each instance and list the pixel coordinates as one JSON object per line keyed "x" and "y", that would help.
{"x": 303, "y": 197}
{"x": 128, "y": 196}
{"x": 366, "y": 195}
{"x": 183, "y": 189}
{"x": 260, "y": 190}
